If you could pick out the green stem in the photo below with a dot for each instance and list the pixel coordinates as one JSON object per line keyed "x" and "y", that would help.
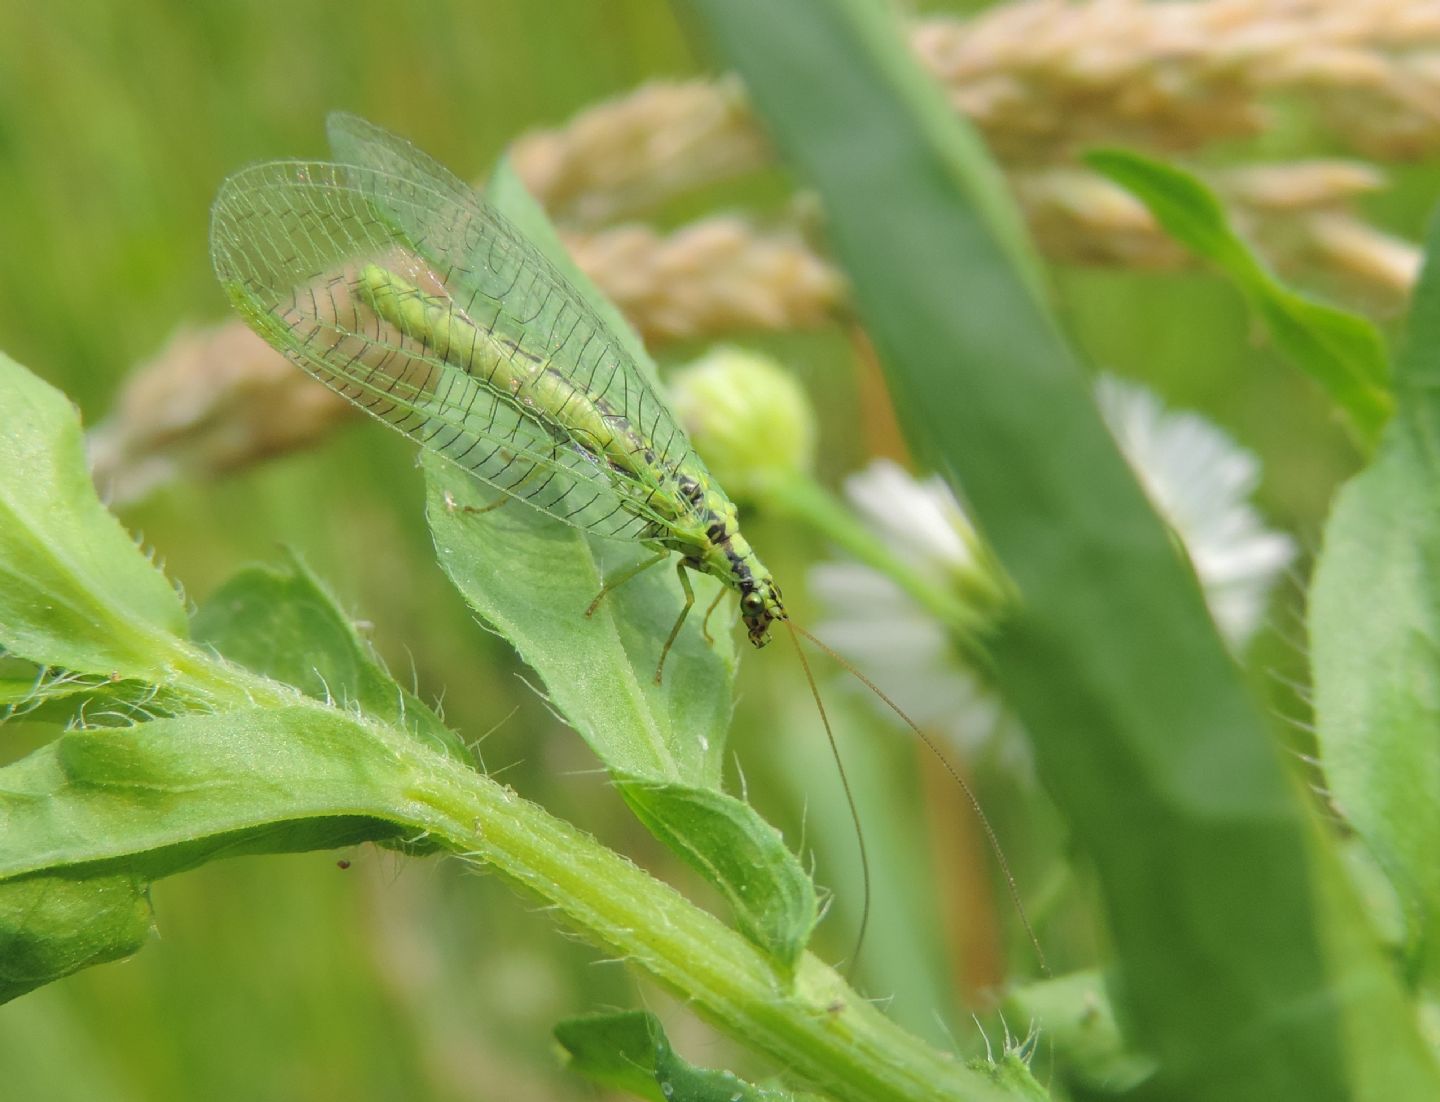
{"x": 810, "y": 1022}
{"x": 813, "y": 1024}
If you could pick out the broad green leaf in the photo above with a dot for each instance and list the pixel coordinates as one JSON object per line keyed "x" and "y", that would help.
{"x": 653, "y": 733}
{"x": 164, "y": 796}
{"x": 629, "y": 1051}
{"x": 1375, "y": 638}
{"x": 743, "y": 856}
{"x": 1342, "y": 351}
{"x": 1228, "y": 918}
{"x": 75, "y": 590}
{"x": 282, "y": 623}
{"x": 532, "y": 578}
{"x": 692, "y": 708}
{"x": 51, "y": 926}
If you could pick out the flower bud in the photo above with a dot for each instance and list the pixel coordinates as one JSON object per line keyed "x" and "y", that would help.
{"x": 750, "y": 420}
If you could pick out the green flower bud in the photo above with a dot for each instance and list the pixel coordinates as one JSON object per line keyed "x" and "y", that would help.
{"x": 750, "y": 420}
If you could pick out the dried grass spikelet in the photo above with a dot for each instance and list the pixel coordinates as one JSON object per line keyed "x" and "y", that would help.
{"x": 715, "y": 276}
{"x": 1079, "y": 217}
{"x": 630, "y": 153}
{"x": 1296, "y": 211}
{"x": 1042, "y": 78}
{"x": 1377, "y": 264}
{"x": 219, "y": 399}
{"x": 213, "y": 400}
{"x": 1039, "y": 77}
{"x": 1291, "y": 186}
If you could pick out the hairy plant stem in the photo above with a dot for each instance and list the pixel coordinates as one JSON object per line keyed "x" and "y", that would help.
{"x": 810, "y": 1022}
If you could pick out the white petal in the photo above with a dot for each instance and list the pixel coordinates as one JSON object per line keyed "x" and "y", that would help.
{"x": 1199, "y": 480}
{"x": 919, "y": 520}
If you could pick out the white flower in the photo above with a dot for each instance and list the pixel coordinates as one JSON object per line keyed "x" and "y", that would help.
{"x": 1198, "y": 479}
{"x": 879, "y": 627}
{"x": 920, "y": 519}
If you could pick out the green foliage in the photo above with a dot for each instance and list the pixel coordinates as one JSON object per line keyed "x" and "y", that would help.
{"x": 52, "y": 926}
{"x": 1375, "y": 639}
{"x": 283, "y": 624}
{"x": 246, "y": 764}
{"x": 669, "y": 732}
{"x": 727, "y": 842}
{"x": 1225, "y": 911}
{"x": 94, "y": 815}
{"x": 164, "y": 796}
{"x": 1241, "y": 960}
{"x": 530, "y": 578}
{"x": 75, "y": 591}
{"x": 630, "y": 1052}
{"x": 1342, "y": 351}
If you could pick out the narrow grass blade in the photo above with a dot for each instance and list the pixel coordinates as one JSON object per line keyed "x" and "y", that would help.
{"x": 1242, "y": 962}
{"x": 1342, "y": 351}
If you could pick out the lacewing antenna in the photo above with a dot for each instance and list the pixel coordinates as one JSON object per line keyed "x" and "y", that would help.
{"x": 991, "y": 837}
{"x": 845, "y": 784}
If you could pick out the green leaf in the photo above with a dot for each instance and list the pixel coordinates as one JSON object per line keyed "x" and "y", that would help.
{"x": 165, "y": 796}
{"x": 1342, "y": 351}
{"x": 75, "y": 590}
{"x": 51, "y": 926}
{"x": 692, "y": 708}
{"x": 629, "y": 1051}
{"x": 531, "y": 578}
{"x": 282, "y": 623}
{"x": 743, "y": 856}
{"x": 680, "y": 727}
{"x": 1241, "y": 960}
{"x": 1375, "y": 638}
{"x": 109, "y": 810}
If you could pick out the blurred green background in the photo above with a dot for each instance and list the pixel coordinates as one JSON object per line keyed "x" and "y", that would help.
{"x": 291, "y": 978}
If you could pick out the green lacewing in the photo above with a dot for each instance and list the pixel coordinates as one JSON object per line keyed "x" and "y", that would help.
{"x": 399, "y": 287}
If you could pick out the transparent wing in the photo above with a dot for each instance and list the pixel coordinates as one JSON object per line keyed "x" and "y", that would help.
{"x": 290, "y": 242}
{"x": 398, "y": 169}
{"x": 356, "y": 141}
